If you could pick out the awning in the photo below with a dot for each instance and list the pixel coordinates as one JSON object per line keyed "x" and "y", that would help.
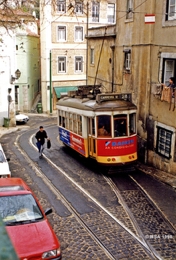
{"x": 59, "y": 90}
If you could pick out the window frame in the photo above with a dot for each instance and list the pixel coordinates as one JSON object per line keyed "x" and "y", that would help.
{"x": 65, "y": 58}
{"x": 79, "y": 4}
{"x": 168, "y": 11}
{"x": 114, "y": 18}
{"x": 77, "y": 32}
{"x": 62, "y": 40}
{"x": 122, "y": 117}
{"x": 62, "y": 3}
{"x": 164, "y": 79}
{"x": 129, "y": 15}
{"x": 127, "y": 60}
{"x": 97, "y": 127}
{"x": 96, "y": 6}
{"x": 157, "y": 142}
{"x": 92, "y": 56}
{"x": 79, "y": 71}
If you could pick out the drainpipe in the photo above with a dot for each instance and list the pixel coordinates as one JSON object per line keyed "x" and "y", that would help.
{"x": 50, "y": 86}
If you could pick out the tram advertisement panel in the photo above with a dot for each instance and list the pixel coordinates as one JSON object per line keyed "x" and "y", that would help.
{"x": 116, "y": 147}
{"x": 72, "y": 140}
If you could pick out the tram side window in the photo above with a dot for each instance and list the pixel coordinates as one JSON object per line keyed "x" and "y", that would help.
{"x": 132, "y": 124}
{"x": 74, "y": 124}
{"x": 67, "y": 120}
{"x": 120, "y": 125}
{"x": 79, "y": 118}
{"x": 104, "y": 125}
{"x": 70, "y": 122}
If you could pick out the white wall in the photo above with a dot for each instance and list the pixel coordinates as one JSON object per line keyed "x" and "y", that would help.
{"x": 7, "y": 68}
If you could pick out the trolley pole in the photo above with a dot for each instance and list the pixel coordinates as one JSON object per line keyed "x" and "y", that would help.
{"x": 50, "y": 86}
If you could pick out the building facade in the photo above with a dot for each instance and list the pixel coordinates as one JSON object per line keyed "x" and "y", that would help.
{"x": 144, "y": 56}
{"x": 19, "y": 50}
{"x": 28, "y": 62}
{"x": 63, "y": 29}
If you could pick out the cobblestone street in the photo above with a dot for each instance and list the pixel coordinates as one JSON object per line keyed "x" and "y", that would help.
{"x": 105, "y": 233}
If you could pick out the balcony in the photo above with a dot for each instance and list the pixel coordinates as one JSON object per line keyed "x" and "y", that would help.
{"x": 102, "y": 31}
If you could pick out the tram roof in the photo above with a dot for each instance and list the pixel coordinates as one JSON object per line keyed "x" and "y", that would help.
{"x": 93, "y": 105}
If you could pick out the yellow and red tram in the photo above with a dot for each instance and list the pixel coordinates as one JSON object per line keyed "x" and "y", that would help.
{"x": 101, "y": 126}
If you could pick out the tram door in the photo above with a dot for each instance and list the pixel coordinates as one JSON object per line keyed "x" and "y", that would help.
{"x": 92, "y": 140}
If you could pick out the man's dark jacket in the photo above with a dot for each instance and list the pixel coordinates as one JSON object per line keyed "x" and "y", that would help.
{"x": 41, "y": 135}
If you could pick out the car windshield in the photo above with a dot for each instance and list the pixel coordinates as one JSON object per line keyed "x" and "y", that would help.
{"x": 2, "y": 159}
{"x": 19, "y": 209}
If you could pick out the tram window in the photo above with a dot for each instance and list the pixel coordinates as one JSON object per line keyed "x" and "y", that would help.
{"x": 60, "y": 120}
{"x": 104, "y": 126}
{"x": 63, "y": 122}
{"x": 67, "y": 123}
{"x": 132, "y": 124}
{"x": 79, "y": 118}
{"x": 93, "y": 126}
{"x": 120, "y": 125}
{"x": 63, "y": 113}
{"x": 70, "y": 124}
{"x": 80, "y": 128}
{"x": 75, "y": 126}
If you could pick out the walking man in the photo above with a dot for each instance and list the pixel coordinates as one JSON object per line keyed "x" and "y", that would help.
{"x": 40, "y": 136}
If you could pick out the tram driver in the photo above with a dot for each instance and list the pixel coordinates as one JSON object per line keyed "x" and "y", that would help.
{"x": 102, "y": 131}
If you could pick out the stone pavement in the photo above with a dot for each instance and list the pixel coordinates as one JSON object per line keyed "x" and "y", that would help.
{"x": 156, "y": 173}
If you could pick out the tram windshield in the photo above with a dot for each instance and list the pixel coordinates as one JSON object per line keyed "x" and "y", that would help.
{"x": 120, "y": 125}
{"x": 104, "y": 126}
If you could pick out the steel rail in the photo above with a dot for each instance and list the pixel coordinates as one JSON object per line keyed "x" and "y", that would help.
{"x": 143, "y": 243}
{"x": 130, "y": 214}
{"x": 63, "y": 199}
{"x": 154, "y": 204}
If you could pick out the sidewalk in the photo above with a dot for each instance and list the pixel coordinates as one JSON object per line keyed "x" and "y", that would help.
{"x": 156, "y": 173}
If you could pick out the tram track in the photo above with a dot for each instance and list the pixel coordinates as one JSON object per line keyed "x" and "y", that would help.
{"x": 131, "y": 216}
{"x": 154, "y": 220}
{"x": 139, "y": 239}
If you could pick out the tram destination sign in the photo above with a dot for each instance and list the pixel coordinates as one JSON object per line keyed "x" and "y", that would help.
{"x": 113, "y": 96}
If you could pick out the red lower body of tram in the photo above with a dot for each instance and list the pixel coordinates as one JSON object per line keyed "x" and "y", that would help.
{"x": 106, "y": 151}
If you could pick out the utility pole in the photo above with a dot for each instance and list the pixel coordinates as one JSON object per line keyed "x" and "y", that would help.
{"x": 87, "y": 43}
{"x": 50, "y": 85}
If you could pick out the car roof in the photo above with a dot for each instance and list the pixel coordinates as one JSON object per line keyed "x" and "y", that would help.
{"x": 13, "y": 185}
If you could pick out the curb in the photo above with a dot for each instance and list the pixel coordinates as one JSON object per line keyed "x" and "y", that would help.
{"x": 162, "y": 176}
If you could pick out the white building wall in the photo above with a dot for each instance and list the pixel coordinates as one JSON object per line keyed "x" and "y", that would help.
{"x": 7, "y": 68}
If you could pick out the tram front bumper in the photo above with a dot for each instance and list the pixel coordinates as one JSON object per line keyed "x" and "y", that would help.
{"x": 117, "y": 160}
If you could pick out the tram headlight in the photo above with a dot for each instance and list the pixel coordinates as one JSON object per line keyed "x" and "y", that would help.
{"x": 109, "y": 159}
{"x": 113, "y": 159}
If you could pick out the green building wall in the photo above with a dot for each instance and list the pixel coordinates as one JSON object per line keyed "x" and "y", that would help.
{"x": 27, "y": 49}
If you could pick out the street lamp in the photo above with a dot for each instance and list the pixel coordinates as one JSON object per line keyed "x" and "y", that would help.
{"x": 17, "y": 76}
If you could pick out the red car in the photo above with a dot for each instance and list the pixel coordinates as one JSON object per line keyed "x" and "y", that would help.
{"x": 26, "y": 222}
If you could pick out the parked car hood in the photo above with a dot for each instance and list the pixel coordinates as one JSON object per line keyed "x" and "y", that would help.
{"x": 4, "y": 168}
{"x": 21, "y": 116}
{"x": 32, "y": 239}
